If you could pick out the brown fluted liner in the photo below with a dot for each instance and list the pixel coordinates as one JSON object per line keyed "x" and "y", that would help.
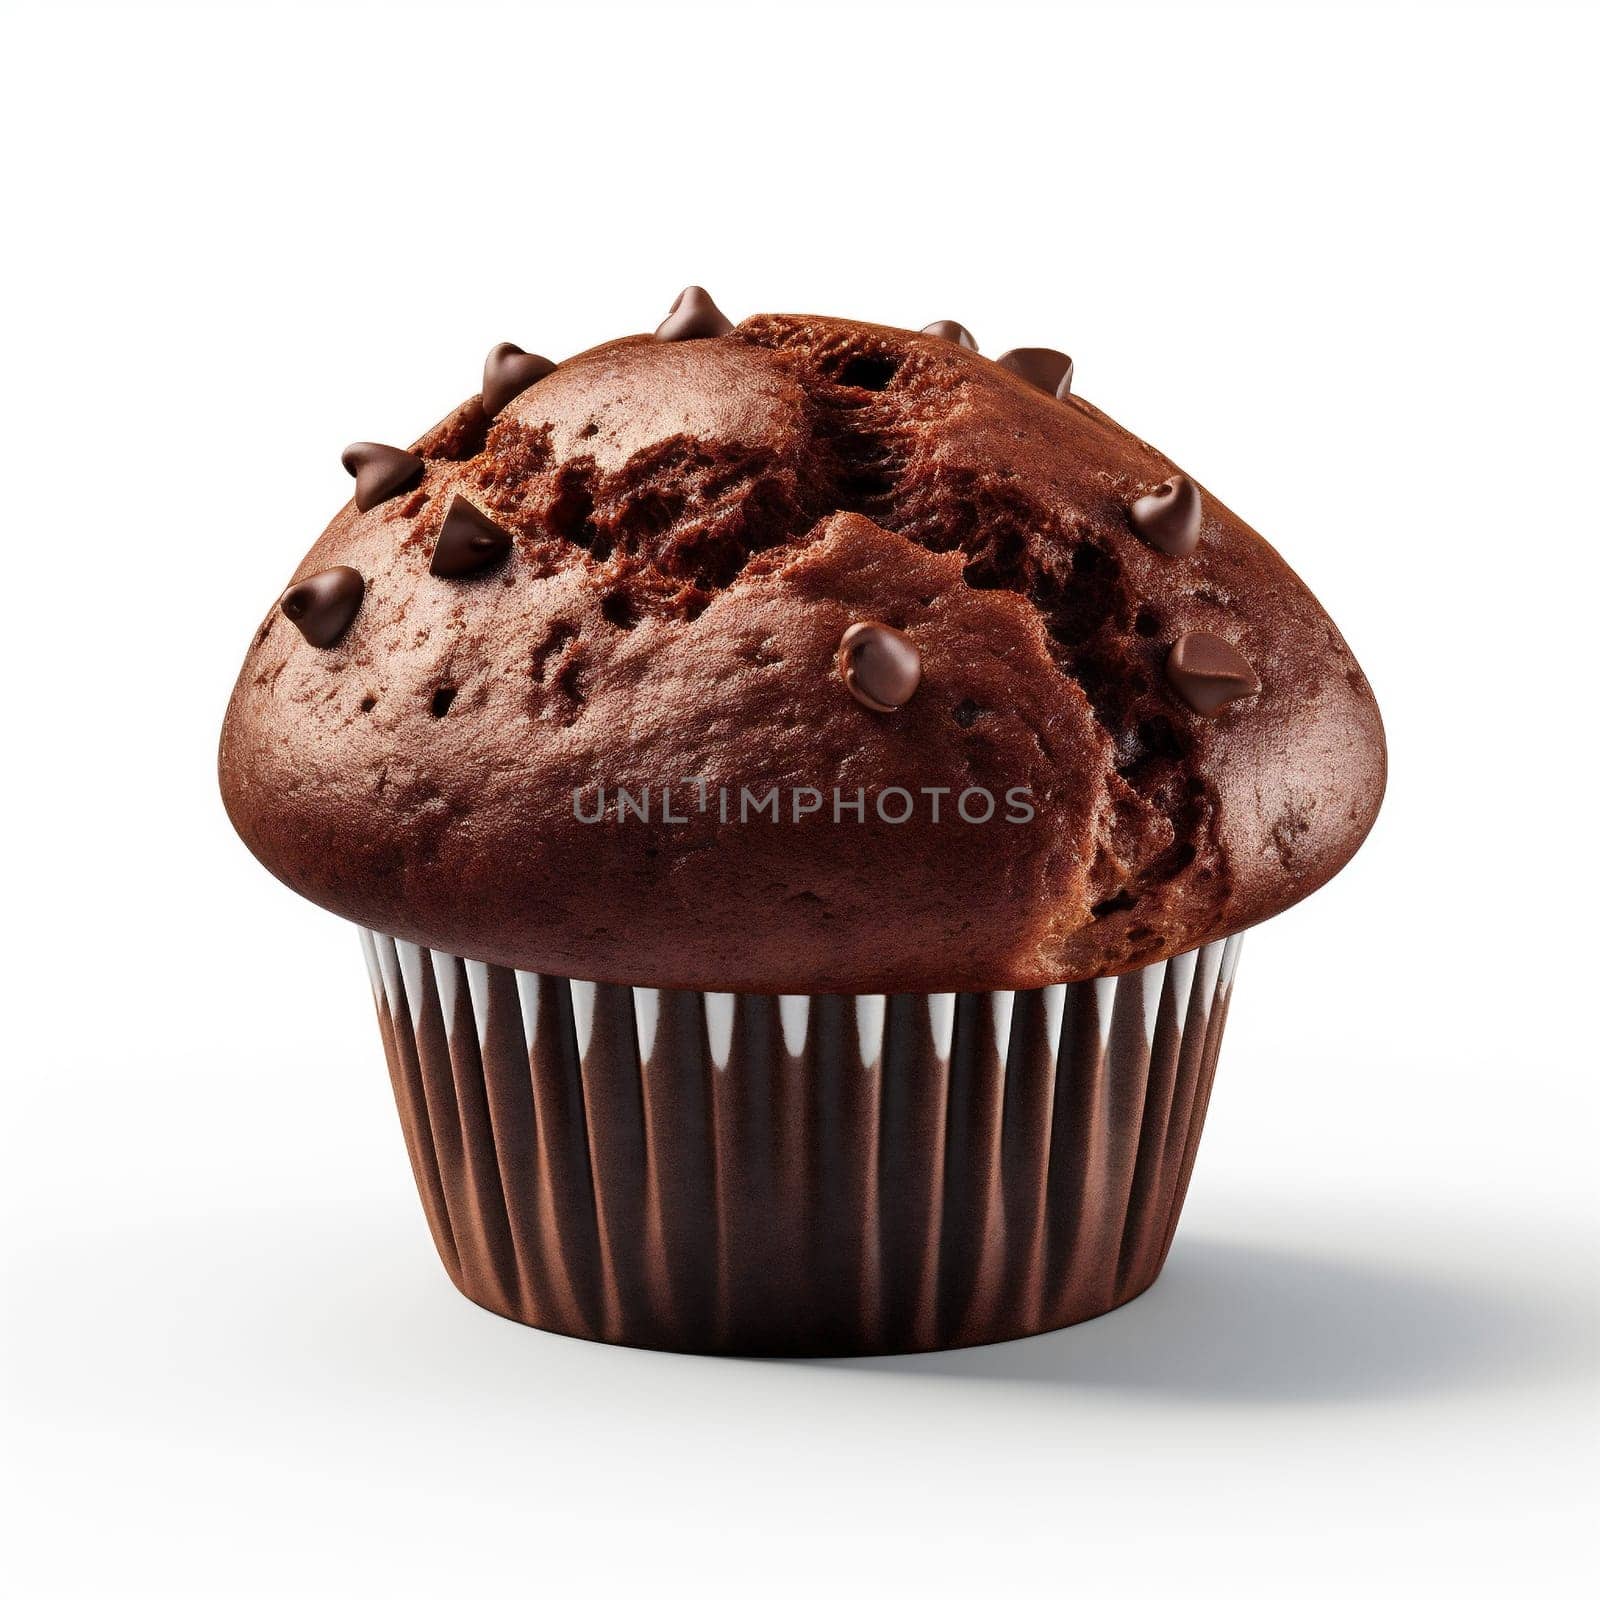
{"x": 807, "y": 1175}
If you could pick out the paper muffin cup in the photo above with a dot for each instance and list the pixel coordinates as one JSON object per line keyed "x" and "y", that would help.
{"x": 799, "y": 1175}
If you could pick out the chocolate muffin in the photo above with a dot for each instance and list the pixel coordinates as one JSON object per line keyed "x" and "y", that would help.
{"x": 654, "y": 697}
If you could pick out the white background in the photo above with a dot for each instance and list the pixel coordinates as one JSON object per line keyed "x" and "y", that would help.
{"x": 1338, "y": 262}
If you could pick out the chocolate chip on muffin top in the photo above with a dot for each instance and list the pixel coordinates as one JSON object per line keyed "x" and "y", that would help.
{"x": 797, "y": 556}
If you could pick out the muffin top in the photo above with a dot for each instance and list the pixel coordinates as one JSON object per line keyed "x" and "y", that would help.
{"x": 799, "y": 656}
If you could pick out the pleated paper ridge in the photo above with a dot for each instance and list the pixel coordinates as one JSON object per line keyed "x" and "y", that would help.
{"x": 799, "y": 1174}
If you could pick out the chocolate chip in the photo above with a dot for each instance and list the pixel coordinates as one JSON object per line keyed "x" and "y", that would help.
{"x": 507, "y": 371}
{"x": 1210, "y": 673}
{"x": 879, "y": 664}
{"x": 1050, "y": 370}
{"x": 325, "y": 604}
{"x": 954, "y": 332}
{"x": 380, "y": 471}
{"x": 1169, "y": 516}
{"x": 694, "y": 315}
{"x": 468, "y": 542}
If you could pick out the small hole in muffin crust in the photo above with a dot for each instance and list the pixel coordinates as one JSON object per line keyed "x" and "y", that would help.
{"x": 568, "y": 515}
{"x": 1180, "y": 858}
{"x": 443, "y": 699}
{"x": 588, "y": 430}
{"x": 368, "y": 701}
{"x": 1153, "y": 739}
{"x": 868, "y": 371}
{"x": 546, "y": 659}
{"x": 1148, "y": 622}
{"x": 618, "y": 610}
{"x": 1120, "y": 901}
{"x": 870, "y": 483}
{"x": 967, "y": 713}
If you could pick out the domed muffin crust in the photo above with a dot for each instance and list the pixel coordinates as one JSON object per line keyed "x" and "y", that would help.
{"x": 693, "y": 527}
